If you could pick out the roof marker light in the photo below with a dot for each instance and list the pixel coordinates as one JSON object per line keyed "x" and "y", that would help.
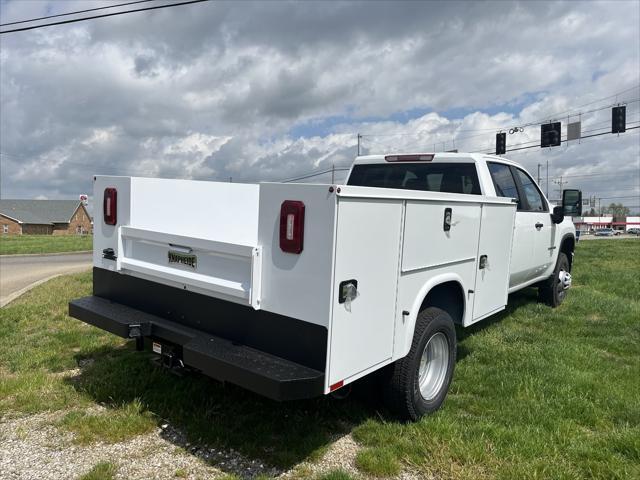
{"x": 409, "y": 158}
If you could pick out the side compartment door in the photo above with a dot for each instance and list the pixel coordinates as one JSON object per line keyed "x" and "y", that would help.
{"x": 494, "y": 255}
{"x": 367, "y": 251}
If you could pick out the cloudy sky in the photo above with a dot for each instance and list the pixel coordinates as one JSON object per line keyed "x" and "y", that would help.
{"x": 275, "y": 90}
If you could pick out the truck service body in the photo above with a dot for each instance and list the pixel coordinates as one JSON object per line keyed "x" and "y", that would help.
{"x": 297, "y": 290}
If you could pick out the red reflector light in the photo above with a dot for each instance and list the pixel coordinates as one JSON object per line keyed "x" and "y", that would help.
{"x": 110, "y": 206}
{"x": 291, "y": 226}
{"x": 336, "y": 386}
{"x": 409, "y": 158}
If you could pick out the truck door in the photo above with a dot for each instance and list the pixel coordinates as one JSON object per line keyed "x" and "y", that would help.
{"x": 535, "y": 211}
{"x": 524, "y": 230}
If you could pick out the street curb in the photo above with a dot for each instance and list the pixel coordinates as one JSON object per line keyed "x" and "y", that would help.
{"x": 24, "y": 290}
{"x": 44, "y": 254}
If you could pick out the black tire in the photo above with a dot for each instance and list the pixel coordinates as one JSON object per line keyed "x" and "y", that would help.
{"x": 551, "y": 291}
{"x": 402, "y": 390}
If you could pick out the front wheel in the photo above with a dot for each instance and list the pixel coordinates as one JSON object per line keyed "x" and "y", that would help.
{"x": 554, "y": 290}
{"x": 419, "y": 382}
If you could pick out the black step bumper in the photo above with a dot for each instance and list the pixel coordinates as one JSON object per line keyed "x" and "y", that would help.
{"x": 219, "y": 358}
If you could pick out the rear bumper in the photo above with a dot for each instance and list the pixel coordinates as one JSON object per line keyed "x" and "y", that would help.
{"x": 219, "y": 358}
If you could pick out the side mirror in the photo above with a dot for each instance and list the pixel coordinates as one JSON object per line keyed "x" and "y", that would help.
{"x": 572, "y": 202}
{"x": 558, "y": 214}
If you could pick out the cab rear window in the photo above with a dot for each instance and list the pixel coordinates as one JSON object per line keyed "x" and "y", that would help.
{"x": 431, "y": 177}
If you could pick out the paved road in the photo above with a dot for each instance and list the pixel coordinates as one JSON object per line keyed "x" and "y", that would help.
{"x": 19, "y": 272}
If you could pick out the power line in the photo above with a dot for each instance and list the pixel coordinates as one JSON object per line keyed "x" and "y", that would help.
{"x": 74, "y": 13}
{"x": 609, "y": 198}
{"x": 565, "y": 140}
{"x": 614, "y": 174}
{"x": 315, "y": 174}
{"x": 63, "y": 22}
{"x": 528, "y": 124}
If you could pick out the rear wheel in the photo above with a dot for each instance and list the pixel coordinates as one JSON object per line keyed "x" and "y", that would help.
{"x": 419, "y": 382}
{"x": 554, "y": 290}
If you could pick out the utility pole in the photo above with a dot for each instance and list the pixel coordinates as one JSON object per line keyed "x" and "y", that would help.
{"x": 560, "y": 183}
{"x": 359, "y": 137}
{"x": 333, "y": 172}
{"x": 539, "y": 165}
{"x": 547, "y": 178}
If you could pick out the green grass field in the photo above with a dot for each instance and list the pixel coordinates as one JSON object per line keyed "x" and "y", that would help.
{"x": 537, "y": 393}
{"x": 22, "y": 244}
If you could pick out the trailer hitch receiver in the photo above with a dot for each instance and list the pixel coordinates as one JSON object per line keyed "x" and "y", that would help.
{"x": 139, "y": 331}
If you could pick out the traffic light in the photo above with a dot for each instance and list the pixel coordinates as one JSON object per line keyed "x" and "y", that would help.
{"x": 501, "y": 143}
{"x": 550, "y": 134}
{"x": 619, "y": 119}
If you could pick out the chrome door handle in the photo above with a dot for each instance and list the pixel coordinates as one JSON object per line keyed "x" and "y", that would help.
{"x": 539, "y": 225}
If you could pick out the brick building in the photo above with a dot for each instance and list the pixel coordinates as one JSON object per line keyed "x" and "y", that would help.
{"x": 44, "y": 217}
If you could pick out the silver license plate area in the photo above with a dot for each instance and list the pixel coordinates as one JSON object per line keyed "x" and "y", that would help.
{"x": 186, "y": 259}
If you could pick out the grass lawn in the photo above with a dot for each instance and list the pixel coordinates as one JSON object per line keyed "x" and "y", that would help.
{"x": 21, "y": 244}
{"x": 537, "y": 393}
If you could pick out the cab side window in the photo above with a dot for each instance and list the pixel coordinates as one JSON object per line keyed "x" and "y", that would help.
{"x": 503, "y": 181}
{"x": 535, "y": 202}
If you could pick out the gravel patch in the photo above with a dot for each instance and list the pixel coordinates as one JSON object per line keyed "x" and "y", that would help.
{"x": 32, "y": 448}
{"x": 340, "y": 454}
{"x": 228, "y": 460}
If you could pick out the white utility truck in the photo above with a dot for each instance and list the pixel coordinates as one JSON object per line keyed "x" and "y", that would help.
{"x": 297, "y": 290}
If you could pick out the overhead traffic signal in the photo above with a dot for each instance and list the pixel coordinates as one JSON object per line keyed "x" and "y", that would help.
{"x": 501, "y": 143}
{"x": 619, "y": 119}
{"x": 550, "y": 134}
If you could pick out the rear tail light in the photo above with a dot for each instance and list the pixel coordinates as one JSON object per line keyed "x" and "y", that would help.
{"x": 110, "y": 206}
{"x": 291, "y": 226}
{"x": 409, "y": 158}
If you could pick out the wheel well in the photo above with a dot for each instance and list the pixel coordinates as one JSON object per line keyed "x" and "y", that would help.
{"x": 567, "y": 247}
{"x": 448, "y": 296}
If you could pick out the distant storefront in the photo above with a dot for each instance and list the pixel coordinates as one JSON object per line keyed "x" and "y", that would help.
{"x": 590, "y": 224}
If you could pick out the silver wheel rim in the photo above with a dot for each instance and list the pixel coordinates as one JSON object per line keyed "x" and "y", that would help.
{"x": 564, "y": 283}
{"x": 433, "y": 366}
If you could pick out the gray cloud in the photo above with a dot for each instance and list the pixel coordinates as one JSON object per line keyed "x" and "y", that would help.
{"x": 213, "y": 90}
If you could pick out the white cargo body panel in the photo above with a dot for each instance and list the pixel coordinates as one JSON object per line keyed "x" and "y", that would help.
{"x": 428, "y": 245}
{"x": 214, "y": 221}
{"x": 492, "y": 282}
{"x": 221, "y": 211}
{"x": 394, "y": 243}
{"x": 367, "y": 250}
{"x": 298, "y": 286}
